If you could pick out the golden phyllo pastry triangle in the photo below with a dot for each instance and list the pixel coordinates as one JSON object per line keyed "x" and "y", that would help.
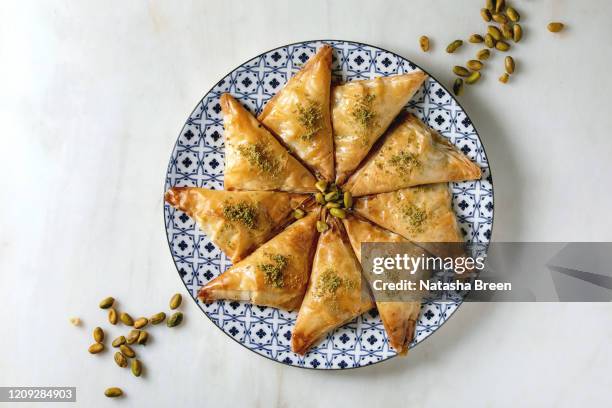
{"x": 412, "y": 154}
{"x": 336, "y": 294}
{"x": 362, "y": 111}
{"x": 399, "y": 317}
{"x": 299, "y": 114}
{"x": 423, "y": 215}
{"x": 236, "y": 221}
{"x": 254, "y": 159}
{"x": 275, "y": 275}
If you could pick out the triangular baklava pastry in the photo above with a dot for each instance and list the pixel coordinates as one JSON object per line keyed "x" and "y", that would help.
{"x": 236, "y": 221}
{"x": 336, "y": 294}
{"x": 254, "y": 159}
{"x": 412, "y": 154}
{"x": 299, "y": 114}
{"x": 399, "y": 317}
{"x": 422, "y": 214}
{"x": 275, "y": 275}
{"x": 362, "y": 111}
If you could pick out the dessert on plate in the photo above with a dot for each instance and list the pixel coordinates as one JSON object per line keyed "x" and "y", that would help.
{"x": 287, "y": 218}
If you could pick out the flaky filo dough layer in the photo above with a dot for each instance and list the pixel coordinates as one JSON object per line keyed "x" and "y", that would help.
{"x": 336, "y": 294}
{"x": 254, "y": 159}
{"x": 399, "y": 318}
{"x": 275, "y": 275}
{"x": 411, "y": 154}
{"x": 299, "y": 114}
{"x": 362, "y": 111}
{"x": 211, "y": 209}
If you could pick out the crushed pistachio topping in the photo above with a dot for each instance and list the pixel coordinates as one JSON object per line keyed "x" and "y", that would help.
{"x": 328, "y": 283}
{"x": 416, "y": 217}
{"x": 310, "y": 117}
{"x": 274, "y": 272}
{"x": 258, "y": 156}
{"x": 363, "y": 113}
{"x": 241, "y": 212}
{"x": 404, "y": 162}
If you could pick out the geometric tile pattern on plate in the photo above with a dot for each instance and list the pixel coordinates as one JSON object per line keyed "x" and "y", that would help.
{"x": 198, "y": 161}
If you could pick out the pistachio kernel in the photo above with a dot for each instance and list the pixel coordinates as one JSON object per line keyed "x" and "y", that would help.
{"x": 158, "y": 318}
{"x": 175, "y": 319}
{"x": 175, "y": 301}
{"x": 107, "y": 302}
{"x": 458, "y": 86}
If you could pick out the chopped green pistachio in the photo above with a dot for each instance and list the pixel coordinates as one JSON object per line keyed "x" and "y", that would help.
{"x": 405, "y": 162}
{"x": 273, "y": 272}
{"x": 416, "y": 216}
{"x": 363, "y": 112}
{"x": 310, "y": 117}
{"x": 241, "y": 212}
{"x": 258, "y": 156}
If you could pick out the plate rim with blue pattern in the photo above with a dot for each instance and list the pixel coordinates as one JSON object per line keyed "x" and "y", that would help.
{"x": 332, "y": 352}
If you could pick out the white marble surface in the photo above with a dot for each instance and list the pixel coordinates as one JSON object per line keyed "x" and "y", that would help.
{"x": 93, "y": 95}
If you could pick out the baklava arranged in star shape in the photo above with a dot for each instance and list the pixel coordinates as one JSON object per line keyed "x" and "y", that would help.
{"x": 321, "y": 170}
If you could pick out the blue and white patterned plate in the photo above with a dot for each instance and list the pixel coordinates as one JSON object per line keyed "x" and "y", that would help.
{"x": 198, "y": 158}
